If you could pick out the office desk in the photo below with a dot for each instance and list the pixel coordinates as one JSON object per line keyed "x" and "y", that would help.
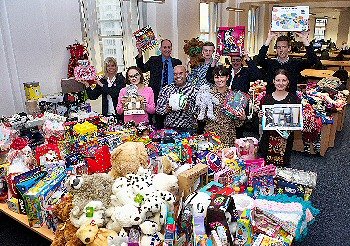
{"x": 317, "y": 73}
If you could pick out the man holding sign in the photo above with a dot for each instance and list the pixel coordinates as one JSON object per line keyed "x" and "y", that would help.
{"x": 283, "y": 61}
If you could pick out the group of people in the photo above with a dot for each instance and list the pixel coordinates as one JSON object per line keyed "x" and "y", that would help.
{"x": 168, "y": 76}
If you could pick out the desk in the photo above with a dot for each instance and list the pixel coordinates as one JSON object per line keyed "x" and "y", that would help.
{"x": 317, "y": 73}
{"x": 335, "y": 63}
{"x": 23, "y": 219}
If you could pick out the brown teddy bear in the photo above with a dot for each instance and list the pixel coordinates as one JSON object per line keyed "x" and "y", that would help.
{"x": 193, "y": 48}
{"x": 91, "y": 235}
{"x": 66, "y": 232}
{"x": 127, "y": 158}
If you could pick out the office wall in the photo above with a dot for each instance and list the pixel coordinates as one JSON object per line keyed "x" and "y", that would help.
{"x": 34, "y": 35}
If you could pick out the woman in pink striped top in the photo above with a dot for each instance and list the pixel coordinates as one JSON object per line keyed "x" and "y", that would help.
{"x": 134, "y": 76}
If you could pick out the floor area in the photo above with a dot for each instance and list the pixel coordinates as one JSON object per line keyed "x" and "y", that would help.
{"x": 332, "y": 197}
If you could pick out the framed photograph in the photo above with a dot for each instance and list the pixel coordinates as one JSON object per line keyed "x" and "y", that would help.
{"x": 293, "y": 19}
{"x": 282, "y": 117}
{"x": 231, "y": 40}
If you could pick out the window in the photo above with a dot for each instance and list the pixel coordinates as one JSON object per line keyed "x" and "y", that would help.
{"x": 320, "y": 28}
{"x": 204, "y": 22}
{"x": 108, "y": 30}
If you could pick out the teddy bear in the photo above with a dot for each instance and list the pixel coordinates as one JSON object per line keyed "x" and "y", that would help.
{"x": 91, "y": 235}
{"x": 94, "y": 210}
{"x": 86, "y": 188}
{"x": 127, "y": 158}
{"x": 205, "y": 101}
{"x": 150, "y": 234}
{"x": 165, "y": 182}
{"x": 65, "y": 233}
{"x": 120, "y": 240}
{"x": 193, "y": 48}
{"x": 124, "y": 216}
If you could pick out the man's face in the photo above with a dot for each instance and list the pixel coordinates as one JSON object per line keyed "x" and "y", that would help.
{"x": 208, "y": 52}
{"x": 236, "y": 62}
{"x": 282, "y": 49}
{"x": 166, "y": 49}
{"x": 180, "y": 75}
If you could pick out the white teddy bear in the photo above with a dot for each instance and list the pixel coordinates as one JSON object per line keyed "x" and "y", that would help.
{"x": 205, "y": 101}
{"x": 151, "y": 235}
{"x": 94, "y": 210}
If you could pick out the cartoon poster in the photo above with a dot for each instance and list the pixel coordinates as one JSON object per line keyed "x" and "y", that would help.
{"x": 294, "y": 19}
{"x": 147, "y": 38}
{"x": 231, "y": 40}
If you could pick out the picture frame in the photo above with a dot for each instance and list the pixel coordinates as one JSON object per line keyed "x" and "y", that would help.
{"x": 282, "y": 117}
{"x": 290, "y": 19}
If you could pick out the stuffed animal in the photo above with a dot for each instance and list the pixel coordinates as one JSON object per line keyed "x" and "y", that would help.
{"x": 165, "y": 182}
{"x": 199, "y": 202}
{"x": 120, "y": 240}
{"x": 86, "y": 188}
{"x": 177, "y": 101}
{"x": 205, "y": 101}
{"x": 193, "y": 48}
{"x": 123, "y": 193}
{"x": 65, "y": 233}
{"x": 94, "y": 210}
{"x": 127, "y": 158}
{"x": 91, "y": 235}
{"x": 151, "y": 236}
{"x": 125, "y": 216}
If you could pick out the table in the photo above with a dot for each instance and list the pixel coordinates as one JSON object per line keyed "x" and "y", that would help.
{"x": 23, "y": 219}
{"x": 317, "y": 73}
{"x": 335, "y": 63}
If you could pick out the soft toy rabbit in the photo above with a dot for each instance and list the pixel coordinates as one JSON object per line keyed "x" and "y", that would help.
{"x": 205, "y": 101}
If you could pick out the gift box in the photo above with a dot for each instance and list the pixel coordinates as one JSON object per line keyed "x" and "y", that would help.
{"x": 193, "y": 179}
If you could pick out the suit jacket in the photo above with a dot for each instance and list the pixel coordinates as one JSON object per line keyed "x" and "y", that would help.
{"x": 113, "y": 91}
{"x": 155, "y": 66}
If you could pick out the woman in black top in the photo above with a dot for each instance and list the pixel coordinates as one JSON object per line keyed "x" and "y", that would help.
{"x": 109, "y": 87}
{"x": 274, "y": 148}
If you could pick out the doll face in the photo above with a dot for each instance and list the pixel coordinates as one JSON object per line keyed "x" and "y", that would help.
{"x": 281, "y": 82}
{"x": 220, "y": 80}
{"x": 134, "y": 76}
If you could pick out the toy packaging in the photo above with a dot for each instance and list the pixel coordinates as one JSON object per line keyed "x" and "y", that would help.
{"x": 292, "y": 19}
{"x": 192, "y": 179}
{"x": 231, "y": 40}
{"x": 147, "y": 38}
{"x": 282, "y": 117}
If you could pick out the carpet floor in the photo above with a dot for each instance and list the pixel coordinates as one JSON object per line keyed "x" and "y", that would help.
{"x": 331, "y": 197}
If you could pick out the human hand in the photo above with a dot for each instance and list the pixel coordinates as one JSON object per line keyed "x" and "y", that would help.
{"x": 270, "y": 36}
{"x": 304, "y": 37}
{"x": 138, "y": 46}
{"x": 99, "y": 83}
{"x": 188, "y": 61}
{"x": 168, "y": 108}
{"x": 216, "y": 59}
{"x": 245, "y": 53}
{"x": 123, "y": 100}
{"x": 261, "y": 113}
{"x": 241, "y": 115}
{"x": 85, "y": 83}
{"x": 187, "y": 107}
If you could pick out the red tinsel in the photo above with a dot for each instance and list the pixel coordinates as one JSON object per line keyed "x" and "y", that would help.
{"x": 19, "y": 143}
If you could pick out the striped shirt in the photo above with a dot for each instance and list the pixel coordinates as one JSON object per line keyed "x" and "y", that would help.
{"x": 197, "y": 75}
{"x": 181, "y": 119}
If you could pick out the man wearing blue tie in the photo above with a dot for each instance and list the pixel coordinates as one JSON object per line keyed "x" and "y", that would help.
{"x": 161, "y": 71}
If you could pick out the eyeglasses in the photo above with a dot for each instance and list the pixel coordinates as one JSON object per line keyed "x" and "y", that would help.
{"x": 236, "y": 60}
{"x": 133, "y": 76}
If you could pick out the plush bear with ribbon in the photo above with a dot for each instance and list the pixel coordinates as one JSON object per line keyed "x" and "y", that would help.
{"x": 150, "y": 234}
{"x": 193, "y": 48}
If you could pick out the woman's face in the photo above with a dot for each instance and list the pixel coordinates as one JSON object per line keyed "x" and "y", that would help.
{"x": 111, "y": 68}
{"x": 134, "y": 76}
{"x": 281, "y": 82}
{"x": 220, "y": 80}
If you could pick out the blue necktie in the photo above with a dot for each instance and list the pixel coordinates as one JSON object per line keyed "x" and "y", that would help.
{"x": 165, "y": 73}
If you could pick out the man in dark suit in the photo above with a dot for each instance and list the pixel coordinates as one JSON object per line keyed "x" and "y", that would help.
{"x": 161, "y": 71}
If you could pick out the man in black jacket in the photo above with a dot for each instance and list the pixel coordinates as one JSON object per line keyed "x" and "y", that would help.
{"x": 161, "y": 71}
{"x": 293, "y": 65}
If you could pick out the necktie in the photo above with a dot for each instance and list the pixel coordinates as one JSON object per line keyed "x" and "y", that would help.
{"x": 165, "y": 73}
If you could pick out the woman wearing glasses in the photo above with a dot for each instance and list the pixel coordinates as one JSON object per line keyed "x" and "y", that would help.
{"x": 134, "y": 76}
{"x": 109, "y": 87}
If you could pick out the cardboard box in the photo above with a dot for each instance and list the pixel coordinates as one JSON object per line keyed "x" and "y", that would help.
{"x": 193, "y": 179}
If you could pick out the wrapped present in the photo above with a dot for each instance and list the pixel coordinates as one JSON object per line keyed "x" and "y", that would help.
{"x": 101, "y": 162}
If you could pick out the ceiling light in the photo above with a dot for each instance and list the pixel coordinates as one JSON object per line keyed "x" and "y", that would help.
{"x": 234, "y": 9}
{"x": 154, "y": 1}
